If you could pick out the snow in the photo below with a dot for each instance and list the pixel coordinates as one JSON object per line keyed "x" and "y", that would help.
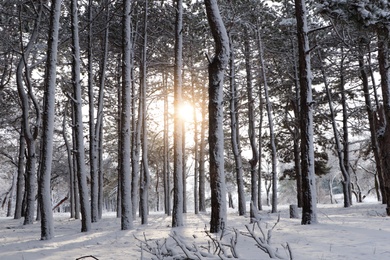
{"x": 358, "y": 232}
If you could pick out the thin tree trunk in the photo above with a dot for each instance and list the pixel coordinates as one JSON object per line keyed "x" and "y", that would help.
{"x": 235, "y": 140}
{"x": 79, "y": 136}
{"x": 30, "y": 133}
{"x": 371, "y": 119}
{"x": 339, "y": 149}
{"x": 384, "y": 138}
{"x": 93, "y": 156}
{"x": 216, "y": 137}
{"x": 47, "y": 223}
{"x": 144, "y": 186}
{"x": 271, "y": 129}
{"x": 309, "y": 198}
{"x": 202, "y": 155}
{"x": 99, "y": 118}
{"x": 70, "y": 162}
{"x": 125, "y": 128}
{"x": 167, "y": 189}
{"x": 20, "y": 181}
{"x": 177, "y": 216}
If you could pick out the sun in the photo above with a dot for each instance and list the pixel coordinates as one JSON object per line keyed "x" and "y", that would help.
{"x": 186, "y": 112}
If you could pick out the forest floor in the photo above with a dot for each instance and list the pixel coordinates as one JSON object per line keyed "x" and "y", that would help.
{"x": 359, "y": 232}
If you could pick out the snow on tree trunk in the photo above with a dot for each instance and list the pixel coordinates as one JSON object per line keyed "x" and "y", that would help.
{"x": 30, "y": 131}
{"x": 235, "y": 135}
{"x": 70, "y": 162}
{"x": 339, "y": 149}
{"x": 99, "y": 118}
{"x": 251, "y": 118}
{"x": 125, "y": 127}
{"x": 370, "y": 112}
{"x": 20, "y": 181}
{"x": 271, "y": 128}
{"x": 47, "y": 224}
{"x": 309, "y": 206}
{"x": 79, "y": 136}
{"x": 93, "y": 156}
{"x": 177, "y": 216}
{"x": 202, "y": 154}
{"x": 216, "y": 137}
{"x": 145, "y": 181}
{"x": 167, "y": 185}
{"x": 383, "y": 32}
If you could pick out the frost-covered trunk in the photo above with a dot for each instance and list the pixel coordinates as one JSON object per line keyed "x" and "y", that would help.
{"x": 371, "y": 115}
{"x": 383, "y": 33}
{"x": 78, "y": 124}
{"x": 346, "y": 174}
{"x": 145, "y": 180}
{"x": 177, "y": 216}
{"x": 47, "y": 224}
{"x": 271, "y": 128}
{"x": 136, "y": 122}
{"x": 125, "y": 127}
{"x": 99, "y": 118}
{"x": 338, "y": 146}
{"x": 30, "y": 130}
{"x": 196, "y": 147}
{"x": 93, "y": 156}
{"x": 309, "y": 198}
{"x": 251, "y": 118}
{"x": 70, "y": 162}
{"x": 75, "y": 169}
{"x": 20, "y": 178}
{"x": 259, "y": 169}
{"x": 202, "y": 155}
{"x": 216, "y": 71}
{"x": 167, "y": 185}
{"x": 184, "y": 171}
{"x": 295, "y": 131}
{"x": 234, "y": 135}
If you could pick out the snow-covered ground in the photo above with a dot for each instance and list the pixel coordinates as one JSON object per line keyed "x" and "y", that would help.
{"x": 359, "y": 232}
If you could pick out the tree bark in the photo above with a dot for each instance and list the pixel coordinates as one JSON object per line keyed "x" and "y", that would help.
{"x": 47, "y": 223}
{"x": 216, "y": 137}
{"x": 234, "y": 133}
{"x": 125, "y": 127}
{"x": 177, "y": 216}
{"x": 309, "y": 198}
{"x": 79, "y": 135}
{"x": 384, "y": 131}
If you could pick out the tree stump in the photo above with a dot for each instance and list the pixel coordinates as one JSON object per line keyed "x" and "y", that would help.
{"x": 294, "y": 211}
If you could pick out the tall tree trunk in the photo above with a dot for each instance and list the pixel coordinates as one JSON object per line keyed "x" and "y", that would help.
{"x": 99, "y": 118}
{"x": 79, "y": 135}
{"x": 125, "y": 128}
{"x": 47, "y": 224}
{"x": 75, "y": 169}
{"x": 93, "y": 156}
{"x": 271, "y": 129}
{"x": 30, "y": 132}
{"x": 234, "y": 135}
{"x": 309, "y": 199}
{"x": 371, "y": 116}
{"x": 20, "y": 182}
{"x": 384, "y": 137}
{"x": 339, "y": 149}
{"x": 216, "y": 137}
{"x": 70, "y": 162}
{"x": 167, "y": 188}
{"x": 196, "y": 147}
{"x": 202, "y": 155}
{"x": 144, "y": 186}
{"x": 251, "y": 117}
{"x": 177, "y": 216}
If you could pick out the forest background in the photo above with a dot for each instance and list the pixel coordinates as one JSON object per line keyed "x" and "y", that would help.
{"x": 90, "y": 101}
